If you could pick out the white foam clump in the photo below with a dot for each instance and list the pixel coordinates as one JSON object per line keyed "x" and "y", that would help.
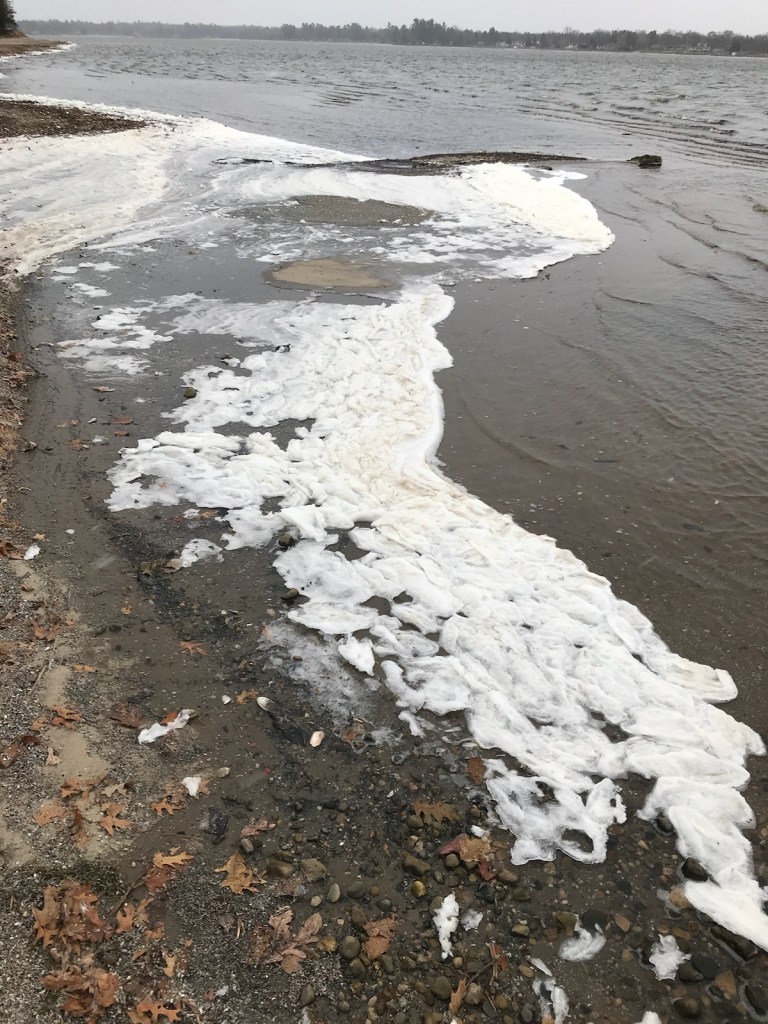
{"x": 446, "y": 921}
{"x": 650, "y": 1018}
{"x": 197, "y": 550}
{"x": 553, "y": 999}
{"x": 359, "y": 653}
{"x": 583, "y": 944}
{"x": 470, "y": 920}
{"x": 518, "y": 634}
{"x": 666, "y": 957}
{"x": 159, "y": 729}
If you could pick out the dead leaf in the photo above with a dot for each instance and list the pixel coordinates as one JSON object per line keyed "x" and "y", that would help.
{"x": 245, "y": 695}
{"x": 84, "y": 669}
{"x": 52, "y": 758}
{"x": 112, "y": 819}
{"x": 127, "y": 609}
{"x": 10, "y": 754}
{"x": 254, "y": 827}
{"x": 476, "y": 770}
{"x": 120, "y": 433}
{"x": 69, "y": 917}
{"x": 176, "y": 858}
{"x": 123, "y": 714}
{"x": 435, "y": 813}
{"x": 126, "y": 917}
{"x": 102, "y": 389}
{"x": 65, "y": 717}
{"x": 193, "y": 647}
{"x": 499, "y": 959}
{"x": 380, "y": 934}
{"x": 239, "y": 877}
{"x": 55, "y": 810}
{"x": 457, "y": 997}
{"x": 79, "y": 444}
{"x": 121, "y": 421}
{"x": 472, "y": 850}
{"x": 9, "y": 550}
{"x": 170, "y": 965}
{"x": 152, "y": 1010}
{"x": 89, "y": 989}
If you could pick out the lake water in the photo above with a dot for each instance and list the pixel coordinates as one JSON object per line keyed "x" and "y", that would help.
{"x": 616, "y": 402}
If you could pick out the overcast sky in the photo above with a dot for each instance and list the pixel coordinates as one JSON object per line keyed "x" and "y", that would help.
{"x": 749, "y": 16}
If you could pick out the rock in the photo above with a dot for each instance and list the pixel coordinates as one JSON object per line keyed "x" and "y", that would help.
{"x": 418, "y": 889}
{"x": 705, "y": 965}
{"x": 327, "y": 944}
{"x": 190, "y": 392}
{"x": 694, "y": 870}
{"x": 521, "y": 929}
{"x": 622, "y": 923}
{"x": 356, "y": 968}
{"x": 350, "y": 947}
{"x": 452, "y": 861}
{"x": 432, "y": 1017}
{"x": 688, "y": 1009}
{"x": 247, "y": 846}
{"x": 357, "y": 890}
{"x": 290, "y": 595}
{"x": 441, "y": 988}
{"x": 474, "y": 995}
{"x": 316, "y": 901}
{"x": 279, "y": 869}
{"x": 313, "y": 869}
{"x": 286, "y": 540}
{"x": 527, "y": 1015}
{"x": 758, "y": 997}
{"x": 508, "y": 877}
{"x": 688, "y": 973}
{"x": 334, "y": 894}
{"x": 414, "y": 866}
{"x": 566, "y": 921}
{"x": 592, "y": 919}
{"x": 307, "y": 996}
{"x": 726, "y": 983}
{"x": 743, "y": 947}
{"x": 647, "y": 160}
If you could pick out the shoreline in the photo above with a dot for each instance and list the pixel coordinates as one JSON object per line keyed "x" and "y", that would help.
{"x": 326, "y": 805}
{"x": 19, "y": 46}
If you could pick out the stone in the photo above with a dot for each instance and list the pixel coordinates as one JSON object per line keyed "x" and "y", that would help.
{"x": 279, "y": 869}
{"x": 527, "y": 1015}
{"x": 350, "y": 947}
{"x": 313, "y": 869}
{"x": 334, "y": 893}
{"x": 508, "y": 877}
{"x": 414, "y": 866}
{"x": 688, "y": 973}
{"x": 623, "y": 923}
{"x": 441, "y": 988}
{"x": 316, "y": 901}
{"x": 647, "y": 160}
{"x": 307, "y": 996}
{"x": 356, "y": 968}
{"x": 743, "y": 947}
{"x": 474, "y": 995}
{"x": 418, "y": 889}
{"x": 694, "y": 870}
{"x": 566, "y": 921}
{"x": 452, "y": 861}
{"x": 705, "y": 965}
{"x": 520, "y": 929}
{"x": 758, "y": 997}
{"x": 357, "y": 890}
{"x": 688, "y": 1009}
{"x": 726, "y": 983}
{"x": 592, "y": 919}
{"x": 190, "y": 392}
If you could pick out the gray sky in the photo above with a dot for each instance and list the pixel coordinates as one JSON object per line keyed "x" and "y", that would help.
{"x": 750, "y": 16}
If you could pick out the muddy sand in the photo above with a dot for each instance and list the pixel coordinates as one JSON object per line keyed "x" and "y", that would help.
{"x": 262, "y": 861}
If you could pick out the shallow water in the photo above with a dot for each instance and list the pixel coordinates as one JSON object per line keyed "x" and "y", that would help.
{"x": 645, "y": 385}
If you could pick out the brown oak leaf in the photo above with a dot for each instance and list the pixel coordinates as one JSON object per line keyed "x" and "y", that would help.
{"x": 193, "y": 647}
{"x": 435, "y": 813}
{"x": 380, "y": 934}
{"x": 239, "y": 878}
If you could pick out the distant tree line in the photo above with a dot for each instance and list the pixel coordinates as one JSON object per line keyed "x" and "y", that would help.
{"x": 7, "y": 18}
{"x": 423, "y": 32}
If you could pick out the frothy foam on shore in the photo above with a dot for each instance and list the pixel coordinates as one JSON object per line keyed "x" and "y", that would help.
{"x": 483, "y": 618}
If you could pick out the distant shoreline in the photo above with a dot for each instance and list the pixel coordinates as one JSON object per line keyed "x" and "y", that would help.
{"x": 15, "y": 46}
{"x": 423, "y": 32}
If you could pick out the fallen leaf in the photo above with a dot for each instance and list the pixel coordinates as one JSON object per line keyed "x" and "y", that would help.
{"x": 193, "y": 647}
{"x": 55, "y": 810}
{"x": 68, "y": 423}
{"x": 84, "y": 669}
{"x": 121, "y": 421}
{"x": 472, "y": 850}
{"x": 79, "y": 444}
{"x": 102, "y": 389}
{"x": 457, "y": 997}
{"x": 123, "y": 714}
{"x": 65, "y": 717}
{"x": 476, "y": 770}
{"x": 435, "y": 813}
{"x": 176, "y": 858}
{"x": 10, "y": 754}
{"x": 150, "y": 1009}
{"x": 245, "y": 695}
{"x": 239, "y": 877}
{"x": 120, "y": 433}
{"x": 79, "y": 787}
{"x": 254, "y": 827}
{"x": 112, "y": 819}
{"x": 127, "y": 609}
{"x": 126, "y": 917}
{"x": 52, "y": 758}
{"x": 39, "y": 724}
{"x": 170, "y": 965}
{"x": 380, "y": 934}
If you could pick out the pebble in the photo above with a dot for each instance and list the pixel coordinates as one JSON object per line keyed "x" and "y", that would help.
{"x": 414, "y": 866}
{"x": 452, "y": 861}
{"x": 526, "y": 1015}
{"x": 758, "y": 997}
{"x": 688, "y": 1009}
{"x": 694, "y": 870}
{"x": 313, "y": 869}
{"x": 521, "y": 929}
{"x": 334, "y": 894}
{"x": 474, "y": 995}
{"x": 567, "y": 921}
{"x": 356, "y": 968}
{"x": 279, "y": 869}
{"x": 688, "y": 973}
{"x": 441, "y": 987}
{"x": 316, "y": 901}
{"x": 705, "y": 965}
{"x": 357, "y": 890}
{"x": 190, "y": 392}
{"x": 350, "y": 947}
{"x": 418, "y": 889}
{"x": 307, "y": 996}
{"x": 744, "y": 947}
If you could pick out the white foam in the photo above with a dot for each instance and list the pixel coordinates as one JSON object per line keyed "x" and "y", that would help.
{"x": 198, "y": 550}
{"x": 531, "y": 646}
{"x": 446, "y": 920}
{"x": 666, "y": 957}
{"x": 583, "y": 944}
